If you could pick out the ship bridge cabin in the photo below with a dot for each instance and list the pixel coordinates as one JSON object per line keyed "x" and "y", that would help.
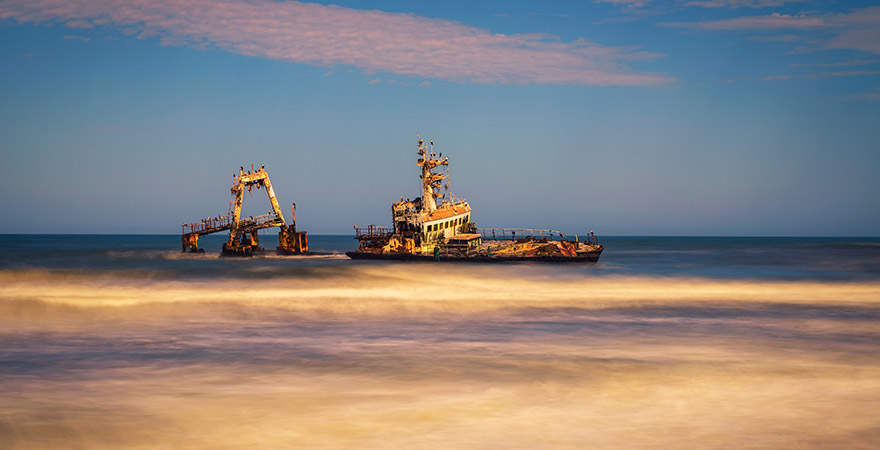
{"x": 445, "y": 222}
{"x": 438, "y": 226}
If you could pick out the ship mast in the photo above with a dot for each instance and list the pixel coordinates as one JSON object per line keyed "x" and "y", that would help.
{"x": 430, "y": 180}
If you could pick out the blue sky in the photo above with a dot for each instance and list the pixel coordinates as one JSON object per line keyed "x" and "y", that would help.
{"x": 718, "y": 117}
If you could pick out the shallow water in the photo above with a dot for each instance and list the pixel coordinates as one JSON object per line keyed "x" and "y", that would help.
{"x": 115, "y": 341}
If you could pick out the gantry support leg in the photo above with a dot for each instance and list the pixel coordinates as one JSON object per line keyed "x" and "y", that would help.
{"x": 190, "y": 242}
{"x": 292, "y": 242}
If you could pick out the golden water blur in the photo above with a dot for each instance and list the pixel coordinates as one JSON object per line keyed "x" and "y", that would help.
{"x": 487, "y": 357}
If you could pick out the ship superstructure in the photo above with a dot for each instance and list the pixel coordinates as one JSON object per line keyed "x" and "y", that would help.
{"x": 434, "y": 217}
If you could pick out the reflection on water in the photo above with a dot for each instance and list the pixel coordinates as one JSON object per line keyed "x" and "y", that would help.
{"x": 371, "y": 356}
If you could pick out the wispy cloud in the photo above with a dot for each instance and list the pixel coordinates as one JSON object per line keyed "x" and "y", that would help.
{"x": 870, "y": 96}
{"x": 626, "y": 3}
{"x": 856, "y": 30}
{"x": 78, "y": 38}
{"x": 776, "y": 38}
{"x": 734, "y": 4}
{"x": 638, "y": 6}
{"x": 823, "y": 75}
{"x": 374, "y": 41}
{"x": 806, "y": 76}
{"x": 560, "y": 15}
{"x": 79, "y": 24}
{"x": 773, "y": 21}
{"x": 777, "y": 77}
{"x": 847, "y": 73}
{"x": 850, "y": 63}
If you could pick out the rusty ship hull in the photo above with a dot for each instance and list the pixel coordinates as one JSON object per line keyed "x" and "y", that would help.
{"x": 591, "y": 257}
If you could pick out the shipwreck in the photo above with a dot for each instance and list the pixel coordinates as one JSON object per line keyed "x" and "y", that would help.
{"x": 438, "y": 227}
{"x": 243, "y": 237}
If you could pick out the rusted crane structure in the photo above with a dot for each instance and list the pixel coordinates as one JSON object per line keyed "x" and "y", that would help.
{"x": 243, "y": 238}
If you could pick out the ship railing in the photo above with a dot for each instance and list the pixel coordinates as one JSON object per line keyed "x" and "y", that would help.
{"x": 220, "y": 223}
{"x": 257, "y": 221}
{"x": 512, "y": 234}
{"x": 207, "y": 225}
{"x": 372, "y": 231}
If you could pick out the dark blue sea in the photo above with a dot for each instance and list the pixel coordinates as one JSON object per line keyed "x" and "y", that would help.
{"x": 113, "y": 341}
{"x": 768, "y": 258}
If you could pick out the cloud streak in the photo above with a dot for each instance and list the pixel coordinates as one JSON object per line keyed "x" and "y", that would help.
{"x": 856, "y": 30}
{"x": 824, "y": 75}
{"x": 870, "y": 96}
{"x": 637, "y": 6}
{"x": 773, "y": 21}
{"x": 847, "y": 73}
{"x": 374, "y": 41}
{"x": 734, "y": 4}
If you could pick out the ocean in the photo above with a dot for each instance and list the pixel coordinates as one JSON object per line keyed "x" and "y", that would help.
{"x": 112, "y": 341}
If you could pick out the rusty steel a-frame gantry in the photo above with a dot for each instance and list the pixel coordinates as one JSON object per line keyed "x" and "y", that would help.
{"x": 243, "y": 239}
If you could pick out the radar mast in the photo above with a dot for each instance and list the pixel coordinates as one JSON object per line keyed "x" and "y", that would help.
{"x": 430, "y": 180}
